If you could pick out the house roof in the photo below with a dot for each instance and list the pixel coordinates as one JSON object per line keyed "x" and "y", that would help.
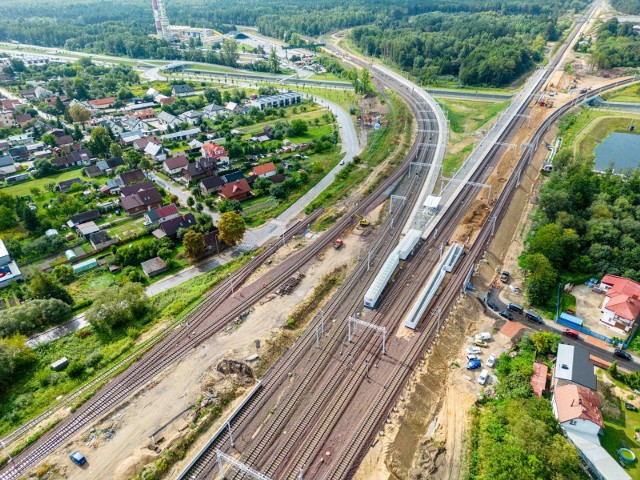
{"x": 212, "y": 149}
{"x": 573, "y": 364}
{"x": 235, "y": 189}
{"x": 211, "y": 182}
{"x": 199, "y": 167}
{"x": 539, "y": 378}
{"x": 66, "y": 184}
{"x": 262, "y": 169}
{"x": 23, "y": 118}
{"x": 102, "y": 101}
{"x": 162, "y": 212}
{"x": 171, "y": 227}
{"x": 64, "y": 140}
{"x": 83, "y": 217}
{"x": 88, "y": 228}
{"x": 143, "y": 198}
{"x": 182, "y": 89}
{"x": 153, "y": 265}
{"x": 136, "y": 187}
{"x": 624, "y": 296}
{"x": 99, "y": 237}
{"x": 179, "y": 161}
{"x": 232, "y": 177}
{"x": 132, "y": 176}
{"x": 166, "y": 117}
{"x": 573, "y": 402}
{"x": 597, "y": 456}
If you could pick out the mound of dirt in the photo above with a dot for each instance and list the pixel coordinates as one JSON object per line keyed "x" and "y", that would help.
{"x": 229, "y": 367}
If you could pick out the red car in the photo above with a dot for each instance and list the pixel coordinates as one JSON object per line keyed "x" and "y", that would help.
{"x": 570, "y": 333}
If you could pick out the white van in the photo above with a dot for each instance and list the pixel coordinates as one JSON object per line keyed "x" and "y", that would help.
{"x": 483, "y": 376}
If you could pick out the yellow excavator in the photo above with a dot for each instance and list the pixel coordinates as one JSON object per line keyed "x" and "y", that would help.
{"x": 363, "y": 221}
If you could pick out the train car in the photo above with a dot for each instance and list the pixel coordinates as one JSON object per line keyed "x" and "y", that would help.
{"x": 379, "y": 283}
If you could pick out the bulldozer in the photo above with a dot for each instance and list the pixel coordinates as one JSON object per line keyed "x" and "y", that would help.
{"x": 363, "y": 221}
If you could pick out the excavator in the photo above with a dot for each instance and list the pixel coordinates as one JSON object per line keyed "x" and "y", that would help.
{"x": 363, "y": 221}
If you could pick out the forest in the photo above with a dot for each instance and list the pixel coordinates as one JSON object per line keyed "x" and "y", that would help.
{"x": 122, "y": 27}
{"x": 587, "y": 224}
{"x": 617, "y": 45}
{"x": 627, "y": 6}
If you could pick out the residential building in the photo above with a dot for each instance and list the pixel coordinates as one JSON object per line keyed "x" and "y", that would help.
{"x": 79, "y": 158}
{"x": 92, "y": 171}
{"x": 574, "y": 367}
{"x": 621, "y": 305}
{"x": 539, "y": 378}
{"x": 199, "y": 169}
{"x": 175, "y": 165}
{"x": 64, "y": 140}
{"x": 65, "y": 185}
{"x": 213, "y": 111}
{"x": 109, "y": 165}
{"x": 42, "y": 93}
{"x": 281, "y": 100}
{"x": 127, "y": 190}
{"x": 234, "y": 108}
{"x": 20, "y": 177}
{"x": 7, "y": 167}
{"x": 213, "y": 151}
{"x": 132, "y": 176}
{"x": 192, "y": 117}
{"x": 232, "y": 177}
{"x": 145, "y": 114}
{"x": 167, "y": 119}
{"x": 141, "y": 201}
{"x": 211, "y": 185}
{"x": 83, "y": 217}
{"x": 160, "y": 215}
{"x": 265, "y": 171}
{"x": 9, "y": 271}
{"x": 101, "y": 240}
{"x": 153, "y": 266}
{"x": 169, "y": 228}
{"x": 156, "y": 151}
{"x": 237, "y": 190}
{"x": 179, "y": 90}
{"x": 102, "y": 103}
{"x": 127, "y": 138}
{"x": 23, "y": 119}
{"x": 181, "y": 135}
{"x": 86, "y": 229}
{"x": 578, "y": 409}
{"x": 7, "y": 119}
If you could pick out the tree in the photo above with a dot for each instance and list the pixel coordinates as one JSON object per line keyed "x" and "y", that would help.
{"x": 230, "y": 53}
{"x": 193, "y": 244}
{"x": 232, "y": 228}
{"x": 44, "y": 286}
{"x": 77, "y": 133}
{"x": 545, "y": 342}
{"x": 541, "y": 280}
{"x": 274, "y": 61}
{"x": 63, "y": 274}
{"x": 49, "y": 139}
{"x": 118, "y": 305}
{"x": 132, "y": 157}
{"x": 115, "y": 150}
{"x": 79, "y": 114}
{"x": 190, "y": 201}
{"x": 7, "y": 218}
{"x": 299, "y": 127}
{"x": 14, "y": 355}
{"x": 145, "y": 163}
{"x": 100, "y": 142}
{"x": 213, "y": 96}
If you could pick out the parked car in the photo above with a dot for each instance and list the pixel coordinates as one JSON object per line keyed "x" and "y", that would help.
{"x": 474, "y": 351}
{"x": 630, "y": 406}
{"x": 514, "y": 307}
{"x": 622, "y": 354}
{"x": 483, "y": 336}
{"x": 471, "y": 356}
{"x": 491, "y": 361}
{"x": 492, "y": 306}
{"x": 473, "y": 364}
{"x": 569, "y": 332}
{"x": 534, "y": 317}
{"x": 481, "y": 343}
{"x": 507, "y": 315}
{"x": 77, "y": 458}
{"x": 482, "y": 378}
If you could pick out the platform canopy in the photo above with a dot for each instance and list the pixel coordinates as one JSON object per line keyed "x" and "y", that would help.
{"x": 432, "y": 202}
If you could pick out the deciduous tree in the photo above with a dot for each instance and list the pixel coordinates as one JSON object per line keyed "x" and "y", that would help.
{"x": 232, "y": 228}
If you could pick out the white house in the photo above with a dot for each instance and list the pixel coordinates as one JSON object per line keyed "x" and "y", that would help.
{"x": 160, "y": 215}
{"x": 573, "y": 367}
{"x": 621, "y": 305}
{"x": 174, "y": 165}
{"x": 578, "y": 409}
{"x": 156, "y": 151}
{"x": 212, "y": 111}
{"x": 265, "y": 171}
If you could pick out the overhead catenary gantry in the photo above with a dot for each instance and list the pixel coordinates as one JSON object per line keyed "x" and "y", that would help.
{"x": 354, "y": 322}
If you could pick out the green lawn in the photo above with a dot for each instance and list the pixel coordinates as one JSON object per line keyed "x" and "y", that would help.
{"x": 24, "y": 188}
{"x": 630, "y": 94}
{"x": 467, "y": 116}
{"x": 328, "y": 77}
{"x": 619, "y": 425}
{"x": 343, "y": 97}
{"x": 453, "y": 161}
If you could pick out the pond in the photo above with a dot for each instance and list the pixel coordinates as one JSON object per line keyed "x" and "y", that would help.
{"x": 618, "y": 151}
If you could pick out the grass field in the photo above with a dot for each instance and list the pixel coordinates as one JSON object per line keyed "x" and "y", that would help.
{"x": 630, "y": 94}
{"x": 24, "y": 188}
{"x": 343, "y": 97}
{"x": 329, "y": 77}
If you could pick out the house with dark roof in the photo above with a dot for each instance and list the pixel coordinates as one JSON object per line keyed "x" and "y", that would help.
{"x": 182, "y": 90}
{"x": 136, "y": 187}
{"x": 175, "y": 165}
{"x": 141, "y": 201}
{"x": 92, "y": 171}
{"x": 101, "y": 240}
{"x": 83, "y": 217}
{"x": 573, "y": 367}
{"x": 238, "y": 190}
{"x": 232, "y": 177}
{"x": 211, "y": 185}
{"x": 162, "y": 214}
{"x": 621, "y": 305}
{"x": 132, "y": 176}
{"x": 64, "y": 140}
{"x": 199, "y": 169}
{"x": 65, "y": 185}
{"x": 169, "y": 228}
{"x": 78, "y": 158}
{"x": 153, "y": 266}
{"x": 23, "y": 119}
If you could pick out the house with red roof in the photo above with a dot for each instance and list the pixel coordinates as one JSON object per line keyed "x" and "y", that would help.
{"x": 237, "y": 190}
{"x": 539, "y": 378}
{"x": 265, "y": 171}
{"x": 213, "y": 151}
{"x": 621, "y": 305}
{"x": 102, "y": 103}
{"x": 160, "y": 215}
{"x": 578, "y": 409}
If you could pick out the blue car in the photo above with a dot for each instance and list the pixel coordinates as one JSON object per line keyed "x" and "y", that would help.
{"x": 77, "y": 458}
{"x": 473, "y": 364}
